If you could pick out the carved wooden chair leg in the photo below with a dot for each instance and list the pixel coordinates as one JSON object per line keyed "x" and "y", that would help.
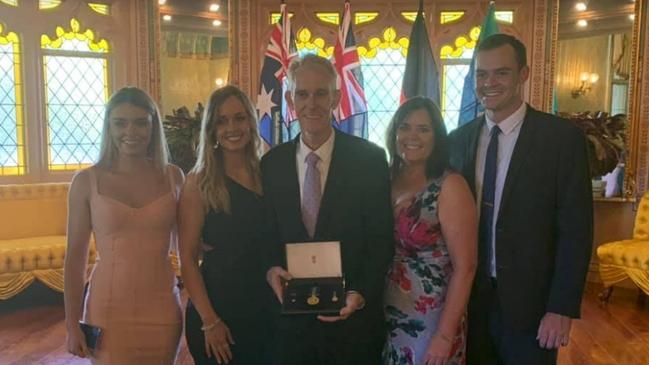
{"x": 642, "y": 298}
{"x": 605, "y": 295}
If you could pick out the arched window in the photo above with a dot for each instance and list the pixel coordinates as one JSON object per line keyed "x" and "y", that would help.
{"x": 55, "y": 77}
{"x": 12, "y": 127}
{"x": 75, "y": 68}
{"x": 383, "y": 62}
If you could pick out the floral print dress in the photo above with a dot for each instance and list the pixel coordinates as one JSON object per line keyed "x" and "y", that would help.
{"x": 417, "y": 282}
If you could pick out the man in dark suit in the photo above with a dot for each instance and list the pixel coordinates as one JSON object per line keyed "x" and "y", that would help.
{"x": 529, "y": 173}
{"x": 329, "y": 186}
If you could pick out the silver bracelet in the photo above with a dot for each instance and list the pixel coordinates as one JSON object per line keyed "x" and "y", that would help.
{"x": 361, "y": 295}
{"x": 207, "y": 327}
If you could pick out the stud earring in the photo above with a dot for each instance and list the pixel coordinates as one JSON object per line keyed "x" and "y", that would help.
{"x": 216, "y": 144}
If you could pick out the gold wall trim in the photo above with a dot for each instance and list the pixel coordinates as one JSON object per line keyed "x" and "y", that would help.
{"x": 147, "y": 39}
{"x": 538, "y": 49}
{"x": 552, "y": 44}
{"x": 637, "y": 165}
{"x": 242, "y": 50}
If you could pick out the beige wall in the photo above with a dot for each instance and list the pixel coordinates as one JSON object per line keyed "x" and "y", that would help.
{"x": 575, "y": 56}
{"x": 187, "y": 81}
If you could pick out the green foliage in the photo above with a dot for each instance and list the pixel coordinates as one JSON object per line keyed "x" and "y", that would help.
{"x": 182, "y": 130}
{"x": 606, "y": 137}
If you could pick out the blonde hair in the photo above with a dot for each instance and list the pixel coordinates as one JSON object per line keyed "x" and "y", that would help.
{"x": 209, "y": 168}
{"x": 157, "y": 150}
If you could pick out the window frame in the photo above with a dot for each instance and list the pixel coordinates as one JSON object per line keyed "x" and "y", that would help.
{"x": 30, "y": 24}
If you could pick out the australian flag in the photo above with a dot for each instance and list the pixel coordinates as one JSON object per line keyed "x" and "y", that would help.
{"x": 274, "y": 114}
{"x": 351, "y": 114}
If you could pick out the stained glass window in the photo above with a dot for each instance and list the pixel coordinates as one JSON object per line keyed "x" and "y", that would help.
{"x": 76, "y": 89}
{"x": 306, "y": 44}
{"x": 331, "y": 18}
{"x": 103, "y": 9}
{"x": 446, "y": 17}
{"x": 365, "y": 17}
{"x": 409, "y": 15}
{"x": 12, "y": 128}
{"x": 455, "y": 59}
{"x": 505, "y": 16}
{"x": 383, "y": 63}
{"x": 10, "y": 2}
{"x": 274, "y": 17}
{"x": 48, "y": 4}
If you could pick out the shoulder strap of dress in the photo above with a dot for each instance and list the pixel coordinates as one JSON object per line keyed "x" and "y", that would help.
{"x": 93, "y": 180}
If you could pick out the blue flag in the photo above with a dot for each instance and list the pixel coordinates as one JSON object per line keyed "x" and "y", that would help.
{"x": 470, "y": 107}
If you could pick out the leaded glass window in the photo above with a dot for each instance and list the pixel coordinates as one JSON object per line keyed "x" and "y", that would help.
{"x": 48, "y": 4}
{"x": 12, "y": 127}
{"x": 383, "y": 63}
{"x": 455, "y": 60}
{"x": 103, "y": 9}
{"x": 76, "y": 89}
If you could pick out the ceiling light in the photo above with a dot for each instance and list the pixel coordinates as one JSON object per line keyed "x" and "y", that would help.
{"x": 582, "y": 23}
{"x": 216, "y": 23}
{"x": 632, "y": 17}
{"x": 166, "y": 18}
{"x": 219, "y": 82}
{"x": 580, "y": 6}
{"x": 162, "y": 2}
{"x": 214, "y": 7}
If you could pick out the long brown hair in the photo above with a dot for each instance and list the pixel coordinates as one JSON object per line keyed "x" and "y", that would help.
{"x": 209, "y": 168}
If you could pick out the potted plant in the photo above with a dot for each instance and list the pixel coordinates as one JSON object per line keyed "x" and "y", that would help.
{"x": 606, "y": 142}
{"x": 182, "y": 130}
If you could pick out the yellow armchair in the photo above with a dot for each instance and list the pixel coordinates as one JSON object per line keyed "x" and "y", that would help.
{"x": 628, "y": 258}
{"x": 33, "y": 236}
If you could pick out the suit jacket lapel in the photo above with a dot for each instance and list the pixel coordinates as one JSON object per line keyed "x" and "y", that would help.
{"x": 333, "y": 186}
{"x": 521, "y": 150}
{"x": 293, "y": 199}
{"x": 472, "y": 148}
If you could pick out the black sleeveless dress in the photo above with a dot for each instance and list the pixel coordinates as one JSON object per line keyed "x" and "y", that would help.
{"x": 235, "y": 280}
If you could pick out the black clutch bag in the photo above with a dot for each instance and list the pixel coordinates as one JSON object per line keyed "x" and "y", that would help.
{"x": 92, "y": 334}
{"x": 318, "y": 286}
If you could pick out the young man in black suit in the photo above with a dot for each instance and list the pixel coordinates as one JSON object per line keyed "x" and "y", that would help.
{"x": 352, "y": 192}
{"x": 529, "y": 173}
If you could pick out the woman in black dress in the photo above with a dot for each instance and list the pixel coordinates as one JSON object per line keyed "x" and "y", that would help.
{"x": 220, "y": 217}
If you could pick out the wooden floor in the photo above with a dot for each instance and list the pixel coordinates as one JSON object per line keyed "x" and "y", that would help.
{"x": 32, "y": 331}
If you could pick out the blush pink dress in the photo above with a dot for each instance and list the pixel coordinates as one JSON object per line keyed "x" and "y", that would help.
{"x": 132, "y": 294}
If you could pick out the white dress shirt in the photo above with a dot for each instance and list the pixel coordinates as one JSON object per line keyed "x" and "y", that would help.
{"x": 324, "y": 152}
{"x": 510, "y": 128}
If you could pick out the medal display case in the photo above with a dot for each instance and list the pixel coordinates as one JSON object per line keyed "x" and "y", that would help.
{"x": 318, "y": 286}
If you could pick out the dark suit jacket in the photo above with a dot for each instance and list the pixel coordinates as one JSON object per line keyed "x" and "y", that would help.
{"x": 355, "y": 209}
{"x": 544, "y": 229}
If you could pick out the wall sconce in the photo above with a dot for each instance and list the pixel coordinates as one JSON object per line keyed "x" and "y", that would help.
{"x": 587, "y": 80}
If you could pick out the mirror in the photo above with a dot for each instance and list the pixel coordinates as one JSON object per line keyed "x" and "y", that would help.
{"x": 594, "y": 72}
{"x": 194, "y": 58}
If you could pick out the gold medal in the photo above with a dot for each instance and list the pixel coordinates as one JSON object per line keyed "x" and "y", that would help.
{"x": 313, "y": 299}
